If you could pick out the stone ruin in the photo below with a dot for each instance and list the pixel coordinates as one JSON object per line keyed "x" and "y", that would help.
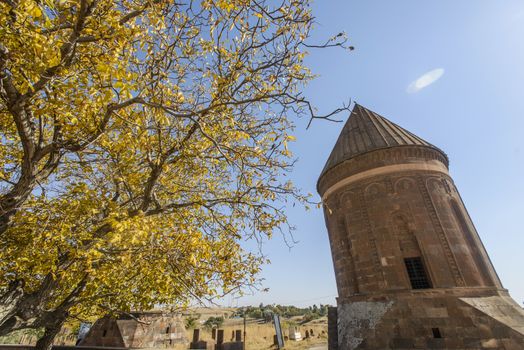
{"x": 137, "y": 330}
{"x": 217, "y": 335}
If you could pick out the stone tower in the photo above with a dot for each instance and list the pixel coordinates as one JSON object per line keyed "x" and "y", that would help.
{"x": 411, "y": 270}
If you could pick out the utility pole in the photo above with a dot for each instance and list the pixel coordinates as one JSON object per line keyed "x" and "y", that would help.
{"x": 244, "y": 344}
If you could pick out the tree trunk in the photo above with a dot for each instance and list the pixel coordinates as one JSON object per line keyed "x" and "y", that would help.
{"x": 12, "y": 201}
{"x": 52, "y": 329}
{"x": 20, "y": 310}
{"x": 9, "y": 298}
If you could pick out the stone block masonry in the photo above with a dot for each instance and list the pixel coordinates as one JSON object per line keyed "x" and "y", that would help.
{"x": 411, "y": 270}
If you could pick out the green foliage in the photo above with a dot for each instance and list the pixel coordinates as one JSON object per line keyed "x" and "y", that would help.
{"x": 26, "y": 334}
{"x": 190, "y": 321}
{"x": 214, "y": 322}
{"x": 310, "y": 313}
{"x": 310, "y": 317}
{"x": 288, "y": 323}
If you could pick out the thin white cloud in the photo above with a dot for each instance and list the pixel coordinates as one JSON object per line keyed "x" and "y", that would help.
{"x": 425, "y": 80}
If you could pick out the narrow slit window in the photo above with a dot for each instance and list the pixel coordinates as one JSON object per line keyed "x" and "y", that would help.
{"x": 436, "y": 333}
{"x": 417, "y": 273}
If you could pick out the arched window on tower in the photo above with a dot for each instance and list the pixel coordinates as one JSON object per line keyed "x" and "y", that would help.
{"x": 410, "y": 250}
{"x": 417, "y": 273}
{"x": 406, "y": 237}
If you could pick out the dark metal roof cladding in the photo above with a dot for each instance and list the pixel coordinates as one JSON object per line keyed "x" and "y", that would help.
{"x": 367, "y": 131}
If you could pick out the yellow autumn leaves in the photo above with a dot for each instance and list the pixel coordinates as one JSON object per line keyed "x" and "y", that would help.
{"x": 141, "y": 144}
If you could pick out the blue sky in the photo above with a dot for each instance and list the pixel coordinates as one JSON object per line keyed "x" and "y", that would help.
{"x": 473, "y": 111}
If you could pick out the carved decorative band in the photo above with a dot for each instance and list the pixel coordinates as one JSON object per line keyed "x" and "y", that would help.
{"x": 372, "y": 241}
{"x": 379, "y": 157}
{"x": 437, "y": 166}
{"x": 437, "y": 224}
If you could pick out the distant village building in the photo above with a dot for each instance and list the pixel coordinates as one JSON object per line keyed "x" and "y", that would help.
{"x": 137, "y": 330}
{"x": 411, "y": 270}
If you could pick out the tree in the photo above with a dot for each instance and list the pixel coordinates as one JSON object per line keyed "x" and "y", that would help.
{"x": 191, "y": 321}
{"x": 214, "y": 322}
{"x": 141, "y": 142}
{"x": 315, "y": 308}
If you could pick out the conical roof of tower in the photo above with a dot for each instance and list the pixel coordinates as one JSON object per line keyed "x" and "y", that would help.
{"x": 367, "y": 131}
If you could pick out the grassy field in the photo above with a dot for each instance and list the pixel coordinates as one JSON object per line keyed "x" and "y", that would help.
{"x": 259, "y": 335}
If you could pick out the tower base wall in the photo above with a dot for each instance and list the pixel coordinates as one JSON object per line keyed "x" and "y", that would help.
{"x": 332, "y": 328}
{"x": 429, "y": 321}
